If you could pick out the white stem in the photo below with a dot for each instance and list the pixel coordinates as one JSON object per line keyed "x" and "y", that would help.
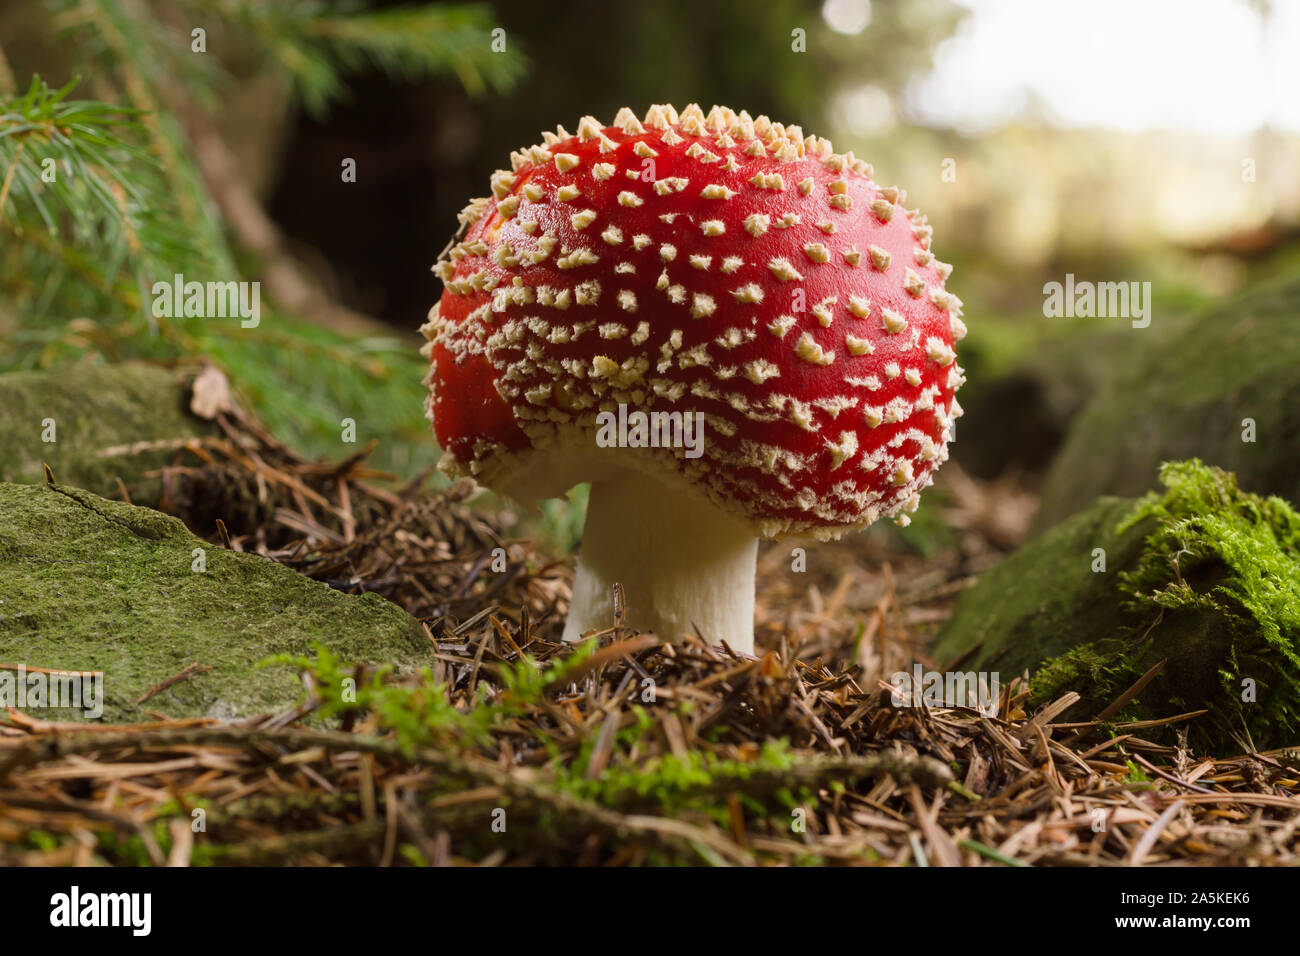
{"x": 682, "y": 563}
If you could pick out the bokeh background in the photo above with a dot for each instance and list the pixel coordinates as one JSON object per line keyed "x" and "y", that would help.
{"x": 1155, "y": 142}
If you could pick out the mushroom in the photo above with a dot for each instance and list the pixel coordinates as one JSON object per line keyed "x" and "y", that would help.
{"x": 630, "y": 286}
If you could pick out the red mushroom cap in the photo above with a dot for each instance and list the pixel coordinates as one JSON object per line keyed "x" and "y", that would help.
{"x": 719, "y": 264}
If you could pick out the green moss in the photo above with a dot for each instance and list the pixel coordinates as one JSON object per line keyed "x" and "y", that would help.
{"x": 1031, "y": 607}
{"x": 674, "y": 784}
{"x": 1077, "y": 667}
{"x": 1202, "y": 576}
{"x": 92, "y": 407}
{"x": 1208, "y": 524}
{"x": 419, "y": 714}
{"x": 95, "y": 585}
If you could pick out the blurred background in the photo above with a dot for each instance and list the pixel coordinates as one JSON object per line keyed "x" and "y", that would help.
{"x": 1156, "y": 141}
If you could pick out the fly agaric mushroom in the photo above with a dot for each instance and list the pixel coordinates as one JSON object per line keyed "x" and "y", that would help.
{"x": 685, "y": 265}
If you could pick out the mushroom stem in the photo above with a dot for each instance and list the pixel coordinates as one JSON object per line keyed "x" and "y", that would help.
{"x": 682, "y": 563}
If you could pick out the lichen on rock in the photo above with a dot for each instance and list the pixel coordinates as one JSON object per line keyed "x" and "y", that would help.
{"x": 1202, "y": 576}
{"x": 88, "y": 584}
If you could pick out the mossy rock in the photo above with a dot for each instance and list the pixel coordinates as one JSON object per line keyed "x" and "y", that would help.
{"x": 93, "y": 407}
{"x": 1187, "y": 396}
{"x": 88, "y": 584}
{"x": 1202, "y": 576}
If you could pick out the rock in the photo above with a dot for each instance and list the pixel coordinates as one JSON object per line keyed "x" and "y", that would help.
{"x": 88, "y": 584}
{"x": 1202, "y": 576}
{"x": 93, "y": 407}
{"x": 1187, "y": 396}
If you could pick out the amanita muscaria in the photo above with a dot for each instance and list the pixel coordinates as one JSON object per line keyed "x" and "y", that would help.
{"x": 684, "y": 263}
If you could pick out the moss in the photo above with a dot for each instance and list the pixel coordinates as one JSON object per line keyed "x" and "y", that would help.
{"x": 92, "y": 584}
{"x": 1185, "y": 396}
{"x": 1078, "y": 667}
{"x": 1202, "y": 576}
{"x": 701, "y": 782}
{"x": 92, "y": 407}
{"x": 1027, "y": 609}
{"x": 1209, "y": 525}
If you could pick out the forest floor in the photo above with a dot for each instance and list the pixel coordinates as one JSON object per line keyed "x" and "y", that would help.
{"x": 517, "y": 749}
